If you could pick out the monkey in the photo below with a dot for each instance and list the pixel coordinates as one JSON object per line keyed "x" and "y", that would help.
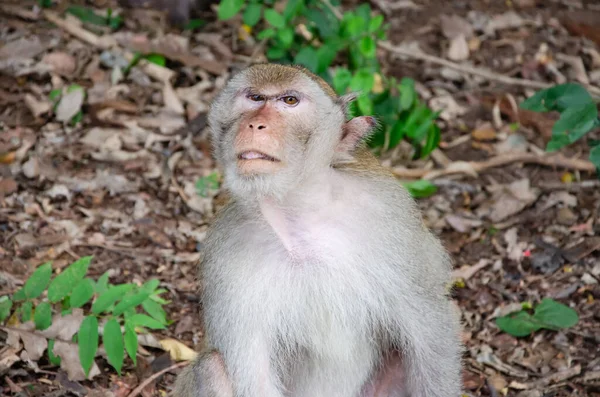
{"x": 320, "y": 278}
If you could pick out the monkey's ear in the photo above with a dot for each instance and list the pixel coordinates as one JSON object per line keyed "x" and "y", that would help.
{"x": 346, "y": 100}
{"x": 354, "y": 131}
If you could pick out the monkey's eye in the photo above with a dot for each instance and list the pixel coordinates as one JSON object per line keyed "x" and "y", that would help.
{"x": 290, "y": 100}
{"x": 256, "y": 97}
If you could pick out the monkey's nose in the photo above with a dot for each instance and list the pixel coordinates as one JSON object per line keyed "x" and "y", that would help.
{"x": 258, "y": 126}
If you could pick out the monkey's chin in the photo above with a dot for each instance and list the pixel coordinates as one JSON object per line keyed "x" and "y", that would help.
{"x": 257, "y": 167}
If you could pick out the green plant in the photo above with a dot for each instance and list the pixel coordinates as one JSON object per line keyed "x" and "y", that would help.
{"x": 57, "y": 95}
{"x": 90, "y": 16}
{"x": 548, "y": 314}
{"x": 578, "y": 116}
{"x": 342, "y": 48}
{"x": 117, "y": 304}
{"x": 207, "y": 183}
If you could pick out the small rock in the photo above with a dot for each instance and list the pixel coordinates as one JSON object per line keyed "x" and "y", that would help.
{"x": 596, "y": 270}
{"x": 451, "y": 74}
{"x": 588, "y": 279}
{"x": 459, "y": 49}
{"x": 513, "y": 144}
{"x": 565, "y": 216}
{"x": 31, "y": 168}
{"x": 594, "y": 76}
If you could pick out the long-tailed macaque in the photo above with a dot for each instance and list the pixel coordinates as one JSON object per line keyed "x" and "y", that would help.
{"x": 320, "y": 278}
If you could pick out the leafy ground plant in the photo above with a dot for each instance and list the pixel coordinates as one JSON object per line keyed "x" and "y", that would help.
{"x": 578, "y": 116}
{"x": 114, "y": 311}
{"x": 548, "y": 314}
{"x": 342, "y": 48}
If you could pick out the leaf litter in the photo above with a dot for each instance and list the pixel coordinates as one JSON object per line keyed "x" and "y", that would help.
{"x": 120, "y": 182}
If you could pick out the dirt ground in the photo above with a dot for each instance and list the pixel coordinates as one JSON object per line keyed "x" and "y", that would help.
{"x": 121, "y": 185}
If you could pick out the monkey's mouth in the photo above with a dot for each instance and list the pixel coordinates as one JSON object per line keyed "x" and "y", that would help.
{"x": 256, "y": 155}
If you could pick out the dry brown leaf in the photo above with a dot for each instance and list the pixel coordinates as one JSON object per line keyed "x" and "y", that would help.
{"x": 69, "y": 105}
{"x": 171, "y": 100}
{"x": 177, "y": 350}
{"x": 62, "y": 63}
{"x": 37, "y": 107}
{"x": 453, "y": 26}
{"x": 22, "y": 48}
{"x": 508, "y": 200}
{"x": 69, "y": 361}
{"x": 466, "y": 272}
{"x": 459, "y": 49}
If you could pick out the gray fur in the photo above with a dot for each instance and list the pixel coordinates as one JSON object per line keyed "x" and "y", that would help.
{"x": 360, "y": 275}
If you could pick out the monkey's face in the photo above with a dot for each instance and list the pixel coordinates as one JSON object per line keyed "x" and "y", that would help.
{"x": 269, "y": 129}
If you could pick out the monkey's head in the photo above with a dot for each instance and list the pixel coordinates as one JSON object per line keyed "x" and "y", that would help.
{"x": 272, "y": 125}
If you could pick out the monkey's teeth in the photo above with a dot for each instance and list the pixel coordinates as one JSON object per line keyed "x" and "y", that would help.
{"x": 251, "y": 155}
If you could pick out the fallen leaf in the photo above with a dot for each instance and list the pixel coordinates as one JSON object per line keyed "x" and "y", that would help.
{"x": 69, "y": 105}
{"x": 453, "y": 26}
{"x": 466, "y": 272}
{"x": 508, "y": 200}
{"x": 484, "y": 132}
{"x": 462, "y": 224}
{"x": 177, "y": 350}
{"x": 171, "y": 100}
{"x": 69, "y": 355}
{"x": 62, "y": 63}
{"x": 583, "y": 23}
{"x": 7, "y": 186}
{"x": 24, "y": 47}
{"x": 459, "y": 49}
{"x": 37, "y": 107}
{"x": 508, "y": 20}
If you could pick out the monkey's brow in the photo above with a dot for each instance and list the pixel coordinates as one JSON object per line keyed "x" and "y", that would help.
{"x": 254, "y": 91}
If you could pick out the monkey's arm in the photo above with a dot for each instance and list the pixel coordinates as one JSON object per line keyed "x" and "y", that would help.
{"x": 205, "y": 377}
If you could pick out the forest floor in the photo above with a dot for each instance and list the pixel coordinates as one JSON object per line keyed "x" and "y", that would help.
{"x": 121, "y": 185}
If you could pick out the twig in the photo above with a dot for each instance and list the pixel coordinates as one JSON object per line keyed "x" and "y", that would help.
{"x": 19, "y": 12}
{"x": 488, "y": 74}
{"x": 105, "y": 42}
{"x": 149, "y": 380}
{"x": 474, "y": 167}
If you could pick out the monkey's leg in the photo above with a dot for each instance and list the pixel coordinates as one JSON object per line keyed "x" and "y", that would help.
{"x": 431, "y": 350}
{"x": 206, "y": 377}
{"x": 389, "y": 380}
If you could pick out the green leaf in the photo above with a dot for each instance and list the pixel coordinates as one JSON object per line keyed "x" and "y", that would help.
{"x": 150, "y": 285}
{"x": 363, "y": 11}
{"x": 113, "y": 344}
{"x": 155, "y": 310}
{"x": 131, "y": 342}
{"x": 156, "y": 59}
{"x": 5, "y": 306}
{"x": 555, "y": 315}
{"x": 595, "y": 157}
{"x": 421, "y": 188}
{"x": 45, "y": 3}
{"x": 87, "y": 340}
{"x": 266, "y": 34}
{"x": 25, "y": 311}
{"x": 143, "y": 320}
{"x": 419, "y": 113}
{"x": 19, "y": 295}
{"x": 53, "y": 358}
{"x": 37, "y": 283}
{"x": 130, "y": 301}
{"x": 43, "y": 316}
{"x": 55, "y": 94}
{"x": 353, "y": 26}
{"x": 109, "y": 297}
{"x": 82, "y": 292}
{"x": 326, "y": 24}
{"x": 194, "y": 24}
{"x": 419, "y": 133}
{"x": 365, "y": 105}
{"x": 292, "y": 8}
{"x": 274, "y": 18}
{"x": 229, "y": 8}
{"x": 63, "y": 284}
{"x": 102, "y": 284}
{"x": 252, "y": 14}
{"x": 362, "y": 81}
{"x": 557, "y": 142}
{"x": 286, "y": 37}
{"x": 559, "y": 98}
{"x": 368, "y": 47}
{"x": 308, "y": 58}
{"x": 341, "y": 80}
{"x": 276, "y": 53}
{"x": 407, "y": 93}
{"x": 434, "y": 137}
{"x": 396, "y": 134}
{"x": 375, "y": 23}
{"x": 576, "y": 121}
{"x": 518, "y": 324}
{"x": 325, "y": 56}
